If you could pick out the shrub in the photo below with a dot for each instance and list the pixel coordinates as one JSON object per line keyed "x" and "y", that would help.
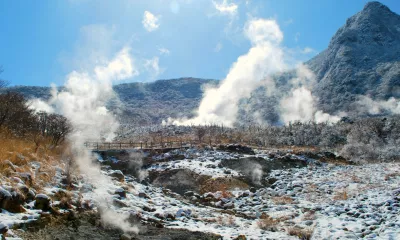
{"x": 302, "y": 233}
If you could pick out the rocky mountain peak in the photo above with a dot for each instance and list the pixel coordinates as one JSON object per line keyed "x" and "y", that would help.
{"x": 376, "y": 24}
{"x": 375, "y": 6}
{"x": 362, "y": 58}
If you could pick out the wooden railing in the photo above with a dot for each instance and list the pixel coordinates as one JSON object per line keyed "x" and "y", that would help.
{"x": 140, "y": 145}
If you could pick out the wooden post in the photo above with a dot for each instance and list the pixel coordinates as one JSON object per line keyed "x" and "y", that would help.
{"x": 141, "y": 147}
{"x": 120, "y": 145}
{"x": 109, "y": 145}
{"x": 97, "y": 145}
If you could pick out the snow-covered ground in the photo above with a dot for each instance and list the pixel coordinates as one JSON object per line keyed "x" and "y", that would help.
{"x": 335, "y": 201}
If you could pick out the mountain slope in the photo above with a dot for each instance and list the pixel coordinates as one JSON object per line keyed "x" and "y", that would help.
{"x": 145, "y": 103}
{"x": 363, "y": 58}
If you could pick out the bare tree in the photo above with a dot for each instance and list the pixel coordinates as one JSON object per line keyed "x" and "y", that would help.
{"x": 3, "y": 83}
{"x": 15, "y": 114}
{"x": 200, "y": 133}
{"x": 55, "y": 126}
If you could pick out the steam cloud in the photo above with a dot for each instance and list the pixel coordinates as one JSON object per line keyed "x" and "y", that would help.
{"x": 263, "y": 60}
{"x": 371, "y": 106}
{"x": 299, "y": 105}
{"x": 265, "y": 57}
{"x": 83, "y": 102}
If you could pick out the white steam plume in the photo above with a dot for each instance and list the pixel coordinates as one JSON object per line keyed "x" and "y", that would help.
{"x": 371, "y": 106}
{"x": 299, "y": 104}
{"x": 265, "y": 57}
{"x": 83, "y": 102}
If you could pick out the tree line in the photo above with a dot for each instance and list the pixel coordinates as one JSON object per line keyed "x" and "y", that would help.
{"x": 18, "y": 119}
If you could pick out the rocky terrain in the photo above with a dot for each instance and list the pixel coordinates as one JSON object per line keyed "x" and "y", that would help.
{"x": 229, "y": 193}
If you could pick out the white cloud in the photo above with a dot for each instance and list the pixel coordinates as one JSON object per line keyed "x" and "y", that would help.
{"x": 296, "y": 37}
{"x": 225, "y": 7}
{"x": 262, "y": 30}
{"x": 307, "y": 50}
{"x": 218, "y": 47}
{"x": 288, "y": 22}
{"x": 164, "y": 51}
{"x": 150, "y": 21}
{"x": 153, "y": 67}
{"x": 120, "y": 68}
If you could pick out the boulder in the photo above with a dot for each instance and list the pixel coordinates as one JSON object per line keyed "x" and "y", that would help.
{"x": 42, "y": 202}
{"x": 126, "y": 237}
{"x": 11, "y": 200}
{"x": 118, "y": 175}
{"x": 29, "y": 194}
{"x": 121, "y": 192}
{"x": 237, "y": 148}
{"x": 3, "y": 228}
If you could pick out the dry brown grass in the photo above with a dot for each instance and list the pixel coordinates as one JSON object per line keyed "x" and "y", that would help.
{"x": 309, "y": 215}
{"x": 222, "y": 184}
{"x": 341, "y": 195}
{"x": 282, "y": 200}
{"x": 392, "y": 175}
{"x": 266, "y": 222}
{"x": 226, "y": 220}
{"x": 301, "y": 233}
{"x": 20, "y": 152}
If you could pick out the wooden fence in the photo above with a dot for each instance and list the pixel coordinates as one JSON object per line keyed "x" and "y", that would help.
{"x": 140, "y": 145}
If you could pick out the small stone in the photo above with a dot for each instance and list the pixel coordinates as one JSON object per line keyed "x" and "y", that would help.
{"x": 125, "y": 237}
{"x": 308, "y": 223}
{"x": 143, "y": 195}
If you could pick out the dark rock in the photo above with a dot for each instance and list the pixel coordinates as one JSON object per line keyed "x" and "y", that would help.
{"x": 118, "y": 175}
{"x": 42, "y": 202}
{"x": 11, "y": 200}
{"x": 189, "y": 193}
{"x": 3, "y": 228}
{"x": 126, "y": 236}
{"x": 121, "y": 192}
{"x": 119, "y": 203}
{"x": 143, "y": 195}
{"x": 227, "y": 171}
{"x": 147, "y": 209}
{"x": 236, "y": 148}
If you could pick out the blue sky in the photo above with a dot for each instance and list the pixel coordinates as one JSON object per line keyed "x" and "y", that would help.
{"x": 42, "y": 41}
